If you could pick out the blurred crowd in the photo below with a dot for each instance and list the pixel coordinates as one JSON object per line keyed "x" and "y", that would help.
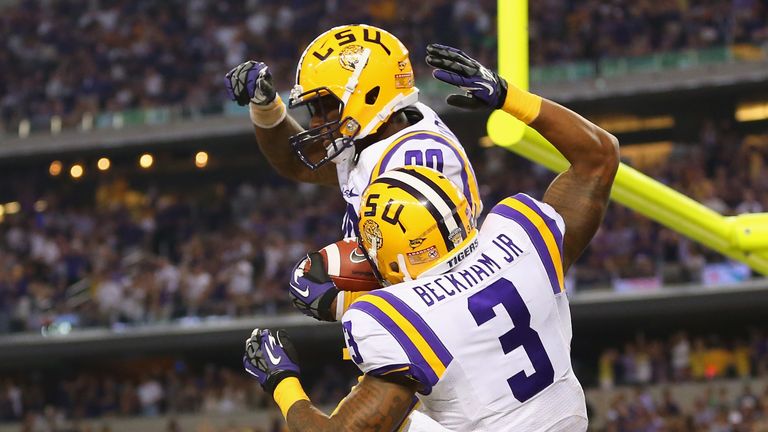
{"x": 132, "y": 255}
{"x": 563, "y": 31}
{"x": 138, "y": 257}
{"x": 680, "y": 358}
{"x": 713, "y": 410}
{"x": 650, "y": 396}
{"x": 54, "y": 404}
{"x": 71, "y": 57}
{"x": 725, "y": 171}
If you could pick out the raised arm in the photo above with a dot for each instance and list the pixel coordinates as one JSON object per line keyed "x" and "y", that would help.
{"x": 250, "y": 83}
{"x": 374, "y": 404}
{"x": 580, "y": 194}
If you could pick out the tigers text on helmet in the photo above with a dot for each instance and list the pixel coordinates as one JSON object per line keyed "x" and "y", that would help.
{"x": 415, "y": 222}
{"x": 366, "y": 72}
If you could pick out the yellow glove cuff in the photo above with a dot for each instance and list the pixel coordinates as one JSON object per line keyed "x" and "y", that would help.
{"x": 268, "y": 116}
{"x": 287, "y": 393}
{"x": 522, "y": 104}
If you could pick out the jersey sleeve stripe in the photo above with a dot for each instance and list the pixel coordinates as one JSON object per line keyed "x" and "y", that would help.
{"x": 419, "y": 324}
{"x": 403, "y": 322}
{"x": 467, "y": 174}
{"x": 390, "y": 369}
{"x": 421, "y": 369}
{"x": 541, "y": 236}
{"x": 551, "y": 224}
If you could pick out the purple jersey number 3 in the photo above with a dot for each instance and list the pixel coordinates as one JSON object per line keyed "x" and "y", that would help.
{"x": 522, "y": 335}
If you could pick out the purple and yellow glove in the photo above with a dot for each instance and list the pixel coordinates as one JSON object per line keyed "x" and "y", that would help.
{"x": 484, "y": 88}
{"x": 250, "y": 82}
{"x": 270, "y": 357}
{"x": 313, "y": 292}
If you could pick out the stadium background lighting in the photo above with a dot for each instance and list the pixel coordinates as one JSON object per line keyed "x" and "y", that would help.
{"x": 146, "y": 160}
{"x": 12, "y": 207}
{"x": 55, "y": 168}
{"x": 103, "y": 164}
{"x": 201, "y": 159}
{"x": 752, "y": 111}
{"x": 76, "y": 171}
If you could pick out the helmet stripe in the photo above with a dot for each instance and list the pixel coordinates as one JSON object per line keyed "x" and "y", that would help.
{"x": 428, "y": 204}
{"x": 434, "y": 194}
{"x": 432, "y": 185}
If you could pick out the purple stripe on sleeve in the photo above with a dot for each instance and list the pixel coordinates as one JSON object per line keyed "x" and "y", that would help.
{"x": 387, "y": 370}
{"x": 525, "y": 199}
{"x": 465, "y": 166}
{"x": 536, "y": 239}
{"x": 421, "y": 326}
{"x": 420, "y": 369}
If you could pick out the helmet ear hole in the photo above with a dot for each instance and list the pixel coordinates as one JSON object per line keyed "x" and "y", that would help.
{"x": 372, "y": 95}
{"x": 394, "y": 267}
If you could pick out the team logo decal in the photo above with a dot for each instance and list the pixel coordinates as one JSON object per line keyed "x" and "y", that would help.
{"x": 423, "y": 256}
{"x": 455, "y": 237}
{"x": 350, "y": 56}
{"x": 416, "y": 242}
{"x": 372, "y": 235}
{"x": 404, "y": 80}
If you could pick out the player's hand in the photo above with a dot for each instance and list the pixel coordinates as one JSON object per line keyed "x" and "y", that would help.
{"x": 313, "y": 292}
{"x": 270, "y": 357}
{"x": 250, "y": 82}
{"x": 484, "y": 88}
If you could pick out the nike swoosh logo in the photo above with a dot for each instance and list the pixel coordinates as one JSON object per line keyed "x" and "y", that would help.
{"x": 295, "y": 283}
{"x": 356, "y": 257}
{"x": 275, "y": 360}
{"x": 487, "y": 87}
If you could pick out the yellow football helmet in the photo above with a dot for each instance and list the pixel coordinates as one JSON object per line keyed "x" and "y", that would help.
{"x": 366, "y": 70}
{"x": 415, "y": 222}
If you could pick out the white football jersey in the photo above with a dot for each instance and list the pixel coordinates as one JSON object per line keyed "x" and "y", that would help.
{"x": 428, "y": 143}
{"x": 489, "y": 341}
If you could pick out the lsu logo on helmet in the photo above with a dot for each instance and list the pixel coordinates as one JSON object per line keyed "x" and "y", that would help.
{"x": 367, "y": 73}
{"x": 415, "y": 222}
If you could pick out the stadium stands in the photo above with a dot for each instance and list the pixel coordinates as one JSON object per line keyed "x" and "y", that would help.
{"x": 173, "y": 256}
{"x": 133, "y": 255}
{"x": 140, "y": 54}
{"x": 125, "y": 250}
{"x": 635, "y": 386}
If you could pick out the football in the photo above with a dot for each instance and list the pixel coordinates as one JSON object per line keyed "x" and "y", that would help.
{"x": 347, "y": 267}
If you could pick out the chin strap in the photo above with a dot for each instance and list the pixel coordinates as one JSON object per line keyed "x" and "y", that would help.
{"x": 399, "y": 102}
{"x": 403, "y": 269}
{"x": 345, "y": 157}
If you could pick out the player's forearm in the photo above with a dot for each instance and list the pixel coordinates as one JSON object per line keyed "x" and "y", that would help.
{"x": 304, "y": 417}
{"x": 297, "y": 409}
{"x": 273, "y": 143}
{"x": 587, "y": 147}
{"x": 372, "y": 405}
{"x": 580, "y": 194}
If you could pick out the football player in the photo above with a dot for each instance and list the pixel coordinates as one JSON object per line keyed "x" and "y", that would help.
{"x": 476, "y": 323}
{"x": 357, "y": 83}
